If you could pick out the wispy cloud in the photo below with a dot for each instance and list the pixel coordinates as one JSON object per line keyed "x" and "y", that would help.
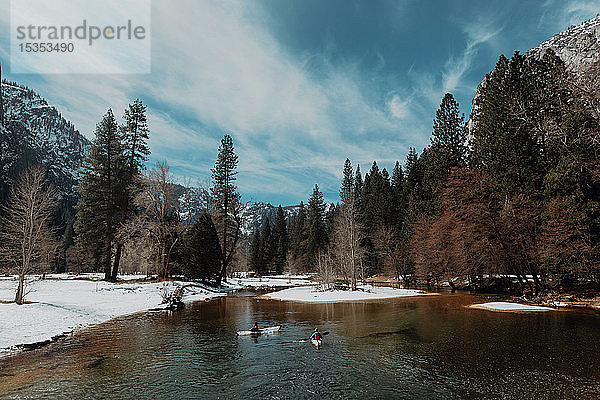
{"x": 560, "y": 14}
{"x": 295, "y": 114}
{"x": 479, "y": 32}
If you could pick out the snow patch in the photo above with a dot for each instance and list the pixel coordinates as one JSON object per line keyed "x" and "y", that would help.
{"x": 62, "y": 305}
{"x": 268, "y": 281}
{"x": 312, "y": 294}
{"x": 509, "y": 307}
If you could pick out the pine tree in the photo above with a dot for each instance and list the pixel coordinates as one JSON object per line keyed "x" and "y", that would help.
{"x": 503, "y": 143}
{"x": 101, "y": 188}
{"x": 413, "y": 175}
{"x": 358, "y": 186}
{"x": 255, "y": 255}
{"x": 449, "y": 132}
{"x": 399, "y": 199}
{"x": 376, "y": 203}
{"x": 347, "y": 235}
{"x": 447, "y": 151}
{"x": 136, "y": 151}
{"x": 226, "y": 203}
{"x": 316, "y": 235}
{"x": 280, "y": 241}
{"x": 202, "y": 251}
{"x": 376, "y": 212}
{"x": 397, "y": 181}
{"x": 266, "y": 249}
{"x": 297, "y": 233}
{"x": 347, "y": 192}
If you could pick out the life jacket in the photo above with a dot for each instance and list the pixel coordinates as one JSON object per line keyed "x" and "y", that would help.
{"x": 317, "y": 336}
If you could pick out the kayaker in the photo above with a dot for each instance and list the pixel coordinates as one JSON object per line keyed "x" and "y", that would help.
{"x": 316, "y": 335}
{"x": 255, "y": 328}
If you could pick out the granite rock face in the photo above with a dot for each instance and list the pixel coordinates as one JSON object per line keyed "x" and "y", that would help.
{"x": 578, "y": 46}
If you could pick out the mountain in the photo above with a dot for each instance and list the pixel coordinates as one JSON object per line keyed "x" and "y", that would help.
{"x": 578, "y": 47}
{"x": 256, "y": 214}
{"x": 34, "y": 132}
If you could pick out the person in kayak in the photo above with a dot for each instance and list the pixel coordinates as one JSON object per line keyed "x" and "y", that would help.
{"x": 255, "y": 328}
{"x": 316, "y": 335}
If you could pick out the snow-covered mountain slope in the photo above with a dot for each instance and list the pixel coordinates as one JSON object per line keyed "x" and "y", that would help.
{"x": 257, "y": 213}
{"x": 34, "y": 132}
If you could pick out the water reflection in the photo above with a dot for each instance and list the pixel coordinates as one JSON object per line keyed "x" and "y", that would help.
{"x": 424, "y": 347}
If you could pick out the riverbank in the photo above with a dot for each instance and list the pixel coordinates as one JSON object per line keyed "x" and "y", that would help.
{"x": 314, "y": 295}
{"x": 64, "y": 303}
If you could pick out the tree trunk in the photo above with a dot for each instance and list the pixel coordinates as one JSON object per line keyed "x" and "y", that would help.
{"x": 452, "y": 285}
{"x": 107, "y": 254}
{"x": 163, "y": 259}
{"x": 20, "y": 289}
{"x": 116, "y": 262}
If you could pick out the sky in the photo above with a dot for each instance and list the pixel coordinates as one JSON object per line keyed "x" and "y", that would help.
{"x": 302, "y": 85}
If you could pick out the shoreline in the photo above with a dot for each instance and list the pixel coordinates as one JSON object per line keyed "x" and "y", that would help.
{"x": 60, "y": 305}
{"x": 146, "y": 298}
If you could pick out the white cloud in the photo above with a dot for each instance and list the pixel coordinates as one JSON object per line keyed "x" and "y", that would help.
{"x": 216, "y": 64}
{"x": 398, "y": 107}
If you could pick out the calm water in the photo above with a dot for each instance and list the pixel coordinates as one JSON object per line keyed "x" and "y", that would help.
{"x": 424, "y": 347}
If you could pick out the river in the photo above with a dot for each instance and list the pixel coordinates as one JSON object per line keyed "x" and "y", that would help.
{"x": 430, "y": 347}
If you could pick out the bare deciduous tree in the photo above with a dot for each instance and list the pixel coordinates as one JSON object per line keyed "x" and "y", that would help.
{"x": 347, "y": 238}
{"x": 395, "y": 253}
{"x": 325, "y": 265}
{"x": 160, "y": 219}
{"x": 27, "y": 244}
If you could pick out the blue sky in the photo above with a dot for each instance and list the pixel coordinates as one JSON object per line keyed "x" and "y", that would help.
{"x": 301, "y": 85}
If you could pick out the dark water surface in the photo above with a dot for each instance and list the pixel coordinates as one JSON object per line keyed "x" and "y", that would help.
{"x": 423, "y": 348}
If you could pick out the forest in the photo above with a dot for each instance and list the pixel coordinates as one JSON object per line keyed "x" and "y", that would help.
{"x": 506, "y": 200}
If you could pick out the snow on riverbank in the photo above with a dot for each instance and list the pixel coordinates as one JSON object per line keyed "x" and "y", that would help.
{"x": 509, "y": 307}
{"x": 311, "y": 294}
{"x": 268, "y": 281}
{"x": 61, "y": 305}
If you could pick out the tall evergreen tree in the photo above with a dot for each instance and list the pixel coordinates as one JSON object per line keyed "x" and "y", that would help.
{"x": 226, "y": 203}
{"x": 399, "y": 199}
{"x": 202, "y": 251}
{"x": 266, "y": 249}
{"x": 297, "y": 233}
{"x": 376, "y": 212}
{"x": 376, "y": 202}
{"x": 503, "y": 140}
{"x": 101, "y": 188}
{"x": 255, "y": 255}
{"x": 347, "y": 237}
{"x": 358, "y": 186}
{"x": 316, "y": 234}
{"x": 135, "y": 134}
{"x": 280, "y": 241}
{"x": 449, "y": 132}
{"x": 347, "y": 192}
{"x": 413, "y": 177}
{"x": 397, "y": 181}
